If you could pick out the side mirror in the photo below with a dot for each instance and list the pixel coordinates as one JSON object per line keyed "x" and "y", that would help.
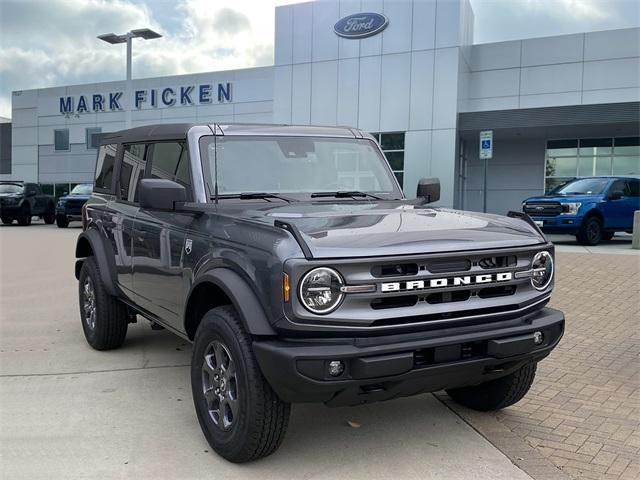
{"x": 429, "y": 189}
{"x": 160, "y": 194}
{"x": 616, "y": 195}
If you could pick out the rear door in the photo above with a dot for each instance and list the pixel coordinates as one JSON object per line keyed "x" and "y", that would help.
{"x": 132, "y": 167}
{"x": 159, "y": 236}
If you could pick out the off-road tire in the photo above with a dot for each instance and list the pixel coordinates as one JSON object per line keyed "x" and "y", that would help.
{"x": 50, "y": 215}
{"x": 7, "y": 220}
{"x": 62, "y": 221}
{"x": 24, "y": 217}
{"x": 262, "y": 419}
{"x": 111, "y": 320}
{"x": 590, "y": 232}
{"x": 496, "y": 394}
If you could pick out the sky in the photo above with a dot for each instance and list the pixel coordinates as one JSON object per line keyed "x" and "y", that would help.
{"x": 46, "y": 43}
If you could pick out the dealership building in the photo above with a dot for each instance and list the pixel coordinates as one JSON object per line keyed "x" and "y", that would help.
{"x": 407, "y": 72}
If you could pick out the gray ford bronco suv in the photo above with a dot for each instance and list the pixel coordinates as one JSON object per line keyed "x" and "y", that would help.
{"x": 291, "y": 259}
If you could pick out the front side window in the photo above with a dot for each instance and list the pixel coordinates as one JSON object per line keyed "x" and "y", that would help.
{"x": 61, "y": 139}
{"x": 104, "y": 167}
{"x": 170, "y": 160}
{"x": 296, "y": 165}
{"x": 134, "y": 163}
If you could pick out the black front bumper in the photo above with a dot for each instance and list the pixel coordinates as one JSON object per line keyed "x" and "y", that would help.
{"x": 381, "y": 368}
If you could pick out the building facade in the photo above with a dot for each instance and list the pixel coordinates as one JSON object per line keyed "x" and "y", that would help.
{"x": 405, "y": 70}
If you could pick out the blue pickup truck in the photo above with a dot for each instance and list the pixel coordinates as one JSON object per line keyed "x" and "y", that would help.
{"x": 593, "y": 209}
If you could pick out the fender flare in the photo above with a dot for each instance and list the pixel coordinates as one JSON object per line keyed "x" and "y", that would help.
{"x": 101, "y": 251}
{"x": 242, "y": 297}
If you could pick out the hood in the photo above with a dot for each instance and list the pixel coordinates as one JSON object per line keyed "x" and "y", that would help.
{"x": 565, "y": 198}
{"x": 362, "y": 229}
{"x": 75, "y": 197}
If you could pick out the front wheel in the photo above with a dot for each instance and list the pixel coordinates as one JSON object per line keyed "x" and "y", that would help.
{"x": 496, "y": 394}
{"x": 24, "y": 218}
{"x": 240, "y": 415}
{"x": 50, "y": 216}
{"x": 104, "y": 317}
{"x": 590, "y": 231}
{"x": 62, "y": 221}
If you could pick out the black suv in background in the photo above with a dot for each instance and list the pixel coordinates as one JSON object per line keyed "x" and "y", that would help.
{"x": 22, "y": 200}
{"x": 291, "y": 259}
{"x": 69, "y": 207}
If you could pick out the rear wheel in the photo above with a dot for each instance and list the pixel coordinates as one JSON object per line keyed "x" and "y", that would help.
{"x": 7, "y": 220}
{"x": 104, "y": 317}
{"x": 496, "y": 394}
{"x": 24, "y": 218}
{"x": 62, "y": 221}
{"x": 590, "y": 231}
{"x": 240, "y": 415}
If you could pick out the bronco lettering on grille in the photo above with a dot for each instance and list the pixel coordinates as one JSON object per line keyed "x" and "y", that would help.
{"x": 413, "y": 285}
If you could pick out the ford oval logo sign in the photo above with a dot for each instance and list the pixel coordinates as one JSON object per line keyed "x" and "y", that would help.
{"x": 360, "y": 25}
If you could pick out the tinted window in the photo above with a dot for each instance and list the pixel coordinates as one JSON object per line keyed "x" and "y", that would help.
{"x": 171, "y": 161}
{"x": 619, "y": 186}
{"x": 92, "y": 137}
{"x": 61, "y": 139}
{"x": 134, "y": 162}
{"x": 634, "y": 188}
{"x": 104, "y": 167}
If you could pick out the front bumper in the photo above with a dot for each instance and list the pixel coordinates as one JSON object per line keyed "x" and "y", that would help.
{"x": 10, "y": 210}
{"x": 568, "y": 224}
{"x": 381, "y": 368}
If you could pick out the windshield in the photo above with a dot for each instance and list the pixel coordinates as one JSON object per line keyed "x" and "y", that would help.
{"x": 583, "y": 186}
{"x": 82, "y": 189}
{"x": 10, "y": 188}
{"x": 297, "y": 165}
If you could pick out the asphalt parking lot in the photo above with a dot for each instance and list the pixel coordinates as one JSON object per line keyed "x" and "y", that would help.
{"x": 67, "y": 411}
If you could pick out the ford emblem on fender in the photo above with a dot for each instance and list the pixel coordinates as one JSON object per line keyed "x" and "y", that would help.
{"x": 360, "y": 25}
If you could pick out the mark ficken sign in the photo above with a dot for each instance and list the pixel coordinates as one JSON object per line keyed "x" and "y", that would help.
{"x": 203, "y": 94}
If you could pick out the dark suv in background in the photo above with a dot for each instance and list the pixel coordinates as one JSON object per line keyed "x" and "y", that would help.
{"x": 69, "y": 207}
{"x": 291, "y": 259}
{"x": 22, "y": 200}
{"x": 592, "y": 208}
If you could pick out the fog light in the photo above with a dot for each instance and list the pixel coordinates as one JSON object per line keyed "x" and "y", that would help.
{"x": 336, "y": 367}
{"x": 538, "y": 338}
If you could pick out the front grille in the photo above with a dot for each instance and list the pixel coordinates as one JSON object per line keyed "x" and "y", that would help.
{"x": 451, "y": 288}
{"x": 543, "y": 209}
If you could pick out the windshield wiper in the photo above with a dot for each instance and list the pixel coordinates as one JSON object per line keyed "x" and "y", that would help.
{"x": 344, "y": 194}
{"x": 258, "y": 196}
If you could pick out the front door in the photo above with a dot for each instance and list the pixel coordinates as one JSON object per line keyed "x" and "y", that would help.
{"x": 159, "y": 240}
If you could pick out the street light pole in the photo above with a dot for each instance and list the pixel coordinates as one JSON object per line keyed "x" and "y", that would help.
{"x": 127, "y": 38}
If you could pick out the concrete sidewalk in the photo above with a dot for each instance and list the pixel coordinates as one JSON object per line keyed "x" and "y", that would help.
{"x": 67, "y": 411}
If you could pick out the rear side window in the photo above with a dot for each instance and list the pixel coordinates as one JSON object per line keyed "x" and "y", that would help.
{"x": 170, "y": 160}
{"x": 634, "y": 188}
{"x": 104, "y": 168}
{"x": 134, "y": 163}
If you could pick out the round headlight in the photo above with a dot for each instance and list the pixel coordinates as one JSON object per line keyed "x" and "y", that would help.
{"x": 542, "y": 270}
{"x": 320, "y": 290}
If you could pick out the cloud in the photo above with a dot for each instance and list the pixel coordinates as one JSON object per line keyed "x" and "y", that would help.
{"x": 48, "y": 43}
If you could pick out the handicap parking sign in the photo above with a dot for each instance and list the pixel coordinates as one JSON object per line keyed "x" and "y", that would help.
{"x": 486, "y": 144}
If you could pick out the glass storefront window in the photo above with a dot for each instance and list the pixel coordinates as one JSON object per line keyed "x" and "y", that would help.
{"x": 61, "y": 189}
{"x": 392, "y": 145}
{"x": 46, "y": 188}
{"x": 626, "y": 165}
{"x": 566, "y": 159}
